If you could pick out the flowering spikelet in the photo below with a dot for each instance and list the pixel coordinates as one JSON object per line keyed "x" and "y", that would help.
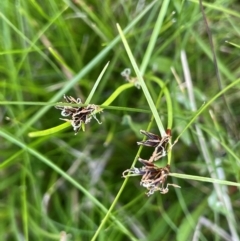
{"x": 153, "y": 177}
{"x": 79, "y": 115}
{"x": 160, "y": 144}
{"x": 126, "y": 73}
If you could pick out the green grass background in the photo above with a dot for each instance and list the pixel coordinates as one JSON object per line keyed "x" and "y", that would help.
{"x": 71, "y": 183}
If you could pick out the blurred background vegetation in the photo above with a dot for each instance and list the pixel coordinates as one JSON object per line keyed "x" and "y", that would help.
{"x": 65, "y": 182}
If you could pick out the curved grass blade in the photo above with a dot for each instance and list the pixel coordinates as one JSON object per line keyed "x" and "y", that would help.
{"x": 115, "y": 94}
{"x": 50, "y": 130}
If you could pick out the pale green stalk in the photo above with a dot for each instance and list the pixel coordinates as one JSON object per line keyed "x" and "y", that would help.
{"x": 168, "y": 99}
{"x": 204, "y": 179}
{"x": 154, "y": 36}
{"x": 142, "y": 83}
{"x": 169, "y": 109}
{"x": 96, "y": 84}
{"x": 116, "y": 93}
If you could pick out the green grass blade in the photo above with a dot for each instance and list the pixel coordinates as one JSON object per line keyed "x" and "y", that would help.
{"x": 96, "y": 84}
{"x": 84, "y": 71}
{"x": 142, "y": 83}
{"x": 116, "y": 93}
{"x": 218, "y": 8}
{"x": 205, "y": 106}
{"x": 49, "y": 163}
{"x": 50, "y": 131}
{"x": 154, "y": 36}
{"x": 204, "y": 179}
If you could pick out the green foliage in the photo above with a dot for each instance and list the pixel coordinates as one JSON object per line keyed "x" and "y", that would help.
{"x": 60, "y": 185}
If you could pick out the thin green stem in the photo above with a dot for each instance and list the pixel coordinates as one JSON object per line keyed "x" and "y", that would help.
{"x": 58, "y": 128}
{"x": 154, "y": 36}
{"x": 88, "y": 100}
{"x": 24, "y": 201}
{"x": 168, "y": 99}
{"x": 83, "y": 71}
{"x": 142, "y": 83}
{"x": 49, "y": 163}
{"x": 204, "y": 179}
{"x": 116, "y": 93}
{"x": 50, "y": 130}
{"x": 237, "y": 81}
{"x": 60, "y": 60}
{"x": 123, "y": 185}
{"x": 169, "y": 108}
{"x": 224, "y": 145}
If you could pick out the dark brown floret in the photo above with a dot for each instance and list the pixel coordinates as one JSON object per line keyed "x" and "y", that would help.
{"x": 79, "y": 115}
{"x": 153, "y": 177}
{"x": 159, "y": 143}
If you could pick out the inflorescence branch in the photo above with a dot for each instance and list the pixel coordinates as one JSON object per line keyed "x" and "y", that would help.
{"x": 79, "y": 115}
{"x": 153, "y": 177}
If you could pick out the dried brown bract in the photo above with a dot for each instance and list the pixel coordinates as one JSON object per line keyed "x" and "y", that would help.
{"x": 126, "y": 73}
{"x": 79, "y": 115}
{"x": 153, "y": 177}
{"x": 159, "y": 143}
